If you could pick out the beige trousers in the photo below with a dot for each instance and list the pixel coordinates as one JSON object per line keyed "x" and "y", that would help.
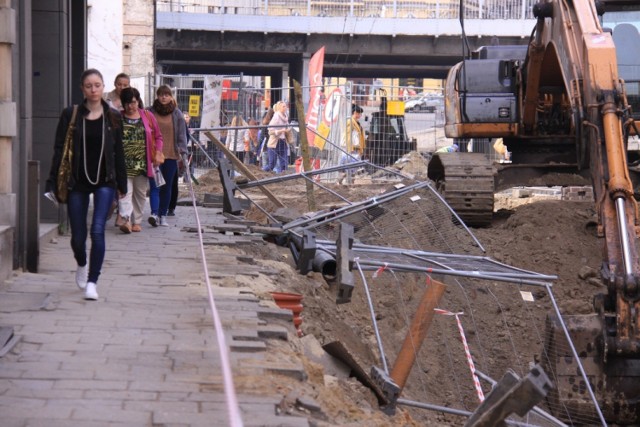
{"x": 132, "y": 205}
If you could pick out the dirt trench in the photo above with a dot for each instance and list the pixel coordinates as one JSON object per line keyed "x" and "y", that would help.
{"x": 546, "y": 236}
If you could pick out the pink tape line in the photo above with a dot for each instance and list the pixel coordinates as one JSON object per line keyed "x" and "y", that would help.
{"x": 472, "y": 367}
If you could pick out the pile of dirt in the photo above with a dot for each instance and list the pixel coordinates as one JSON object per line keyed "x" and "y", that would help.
{"x": 413, "y": 164}
{"x": 546, "y": 236}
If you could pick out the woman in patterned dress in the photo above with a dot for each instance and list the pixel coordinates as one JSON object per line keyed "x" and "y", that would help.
{"x": 141, "y": 137}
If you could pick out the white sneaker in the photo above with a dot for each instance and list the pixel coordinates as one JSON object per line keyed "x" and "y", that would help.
{"x": 91, "y": 293}
{"x": 82, "y": 273}
{"x": 153, "y": 220}
{"x": 163, "y": 222}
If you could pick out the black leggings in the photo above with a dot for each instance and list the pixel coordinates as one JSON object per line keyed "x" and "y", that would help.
{"x": 173, "y": 201}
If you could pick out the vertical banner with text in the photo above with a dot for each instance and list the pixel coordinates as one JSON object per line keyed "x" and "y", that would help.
{"x": 316, "y": 65}
{"x": 211, "y": 100}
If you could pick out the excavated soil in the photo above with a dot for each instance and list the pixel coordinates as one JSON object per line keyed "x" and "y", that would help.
{"x": 547, "y": 236}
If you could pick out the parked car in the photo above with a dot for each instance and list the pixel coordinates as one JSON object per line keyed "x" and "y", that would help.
{"x": 432, "y": 103}
{"x": 413, "y": 104}
{"x": 428, "y": 103}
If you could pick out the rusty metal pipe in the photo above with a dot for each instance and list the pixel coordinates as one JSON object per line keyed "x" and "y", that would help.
{"x": 417, "y": 333}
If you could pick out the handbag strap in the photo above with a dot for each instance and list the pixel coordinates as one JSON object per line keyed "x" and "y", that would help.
{"x": 66, "y": 150}
{"x": 72, "y": 123}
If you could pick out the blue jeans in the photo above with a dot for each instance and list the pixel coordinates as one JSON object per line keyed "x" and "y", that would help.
{"x": 77, "y": 209}
{"x": 154, "y": 196}
{"x": 278, "y": 157}
{"x": 271, "y": 160}
{"x": 169, "y": 169}
{"x": 282, "y": 156}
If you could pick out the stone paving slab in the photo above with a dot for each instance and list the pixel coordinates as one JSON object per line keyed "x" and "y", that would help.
{"x": 146, "y": 353}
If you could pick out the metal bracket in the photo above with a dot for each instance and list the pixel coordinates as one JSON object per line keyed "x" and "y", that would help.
{"x": 510, "y": 395}
{"x": 229, "y": 203}
{"x": 344, "y": 261}
{"x": 307, "y": 252}
{"x": 389, "y": 388}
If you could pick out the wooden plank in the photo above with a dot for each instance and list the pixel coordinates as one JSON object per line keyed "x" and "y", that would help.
{"x": 238, "y": 164}
{"x": 341, "y": 352}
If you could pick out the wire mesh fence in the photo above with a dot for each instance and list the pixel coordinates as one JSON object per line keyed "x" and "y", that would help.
{"x": 404, "y": 238}
{"x": 396, "y": 120}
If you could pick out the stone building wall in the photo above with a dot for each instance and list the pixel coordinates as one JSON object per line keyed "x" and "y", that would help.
{"x": 138, "y": 29}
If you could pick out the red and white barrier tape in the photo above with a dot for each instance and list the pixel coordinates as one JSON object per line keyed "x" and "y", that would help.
{"x": 380, "y": 270}
{"x": 472, "y": 367}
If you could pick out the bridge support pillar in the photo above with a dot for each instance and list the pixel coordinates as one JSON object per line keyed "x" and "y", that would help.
{"x": 306, "y": 57}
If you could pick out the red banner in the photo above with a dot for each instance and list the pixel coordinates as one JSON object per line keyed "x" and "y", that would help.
{"x": 315, "y": 93}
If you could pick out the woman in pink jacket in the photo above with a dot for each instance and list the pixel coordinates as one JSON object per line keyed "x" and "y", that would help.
{"x": 141, "y": 138}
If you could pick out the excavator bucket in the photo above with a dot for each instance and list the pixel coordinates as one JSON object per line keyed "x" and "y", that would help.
{"x": 615, "y": 381}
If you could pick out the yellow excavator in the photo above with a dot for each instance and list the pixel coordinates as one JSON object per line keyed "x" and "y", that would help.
{"x": 561, "y": 105}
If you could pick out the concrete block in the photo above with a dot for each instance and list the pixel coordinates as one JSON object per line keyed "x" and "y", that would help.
{"x": 247, "y": 346}
{"x": 279, "y": 421}
{"x": 296, "y": 372}
{"x": 521, "y": 193}
{"x": 308, "y": 403}
{"x": 545, "y": 191}
{"x": 273, "y": 331}
{"x": 274, "y": 313}
{"x": 581, "y": 193}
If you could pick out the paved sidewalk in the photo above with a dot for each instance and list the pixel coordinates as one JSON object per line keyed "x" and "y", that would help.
{"x": 145, "y": 353}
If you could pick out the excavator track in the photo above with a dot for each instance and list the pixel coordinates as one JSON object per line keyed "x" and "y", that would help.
{"x": 466, "y": 181}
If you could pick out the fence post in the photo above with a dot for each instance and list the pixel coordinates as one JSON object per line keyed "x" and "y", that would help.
{"x": 33, "y": 217}
{"x": 304, "y": 144}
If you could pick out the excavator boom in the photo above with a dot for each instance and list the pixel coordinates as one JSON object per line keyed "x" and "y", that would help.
{"x": 560, "y": 103}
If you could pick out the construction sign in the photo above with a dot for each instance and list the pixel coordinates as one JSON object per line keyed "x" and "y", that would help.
{"x": 194, "y": 105}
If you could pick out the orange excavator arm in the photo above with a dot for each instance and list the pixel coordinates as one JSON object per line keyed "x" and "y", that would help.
{"x": 570, "y": 44}
{"x": 560, "y": 105}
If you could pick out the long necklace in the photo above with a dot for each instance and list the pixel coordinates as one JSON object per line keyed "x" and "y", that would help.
{"x": 84, "y": 149}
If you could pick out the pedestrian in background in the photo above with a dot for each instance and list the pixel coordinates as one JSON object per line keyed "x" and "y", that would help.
{"x": 181, "y": 170}
{"x": 278, "y": 149}
{"x": 263, "y": 137}
{"x": 251, "y": 143}
{"x": 141, "y": 138}
{"x": 354, "y": 142}
{"x": 174, "y": 130}
{"x": 234, "y": 141}
{"x": 97, "y": 169}
{"x": 121, "y": 81}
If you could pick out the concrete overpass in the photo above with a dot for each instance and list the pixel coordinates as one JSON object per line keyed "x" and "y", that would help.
{"x": 251, "y": 41}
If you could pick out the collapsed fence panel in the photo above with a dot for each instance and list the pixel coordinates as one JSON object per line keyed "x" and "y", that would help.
{"x": 405, "y": 239}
